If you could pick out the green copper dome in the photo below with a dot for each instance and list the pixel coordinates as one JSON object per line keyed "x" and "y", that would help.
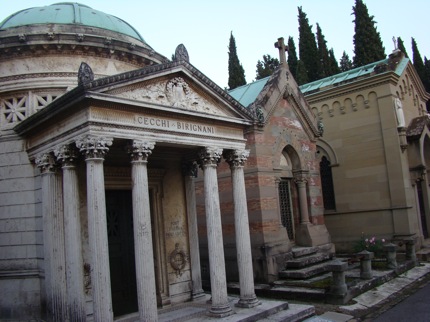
{"x": 69, "y": 13}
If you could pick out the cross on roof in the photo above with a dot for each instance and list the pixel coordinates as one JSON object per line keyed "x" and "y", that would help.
{"x": 282, "y": 49}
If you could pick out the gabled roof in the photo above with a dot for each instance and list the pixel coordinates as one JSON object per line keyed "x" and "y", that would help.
{"x": 248, "y": 93}
{"x": 376, "y": 68}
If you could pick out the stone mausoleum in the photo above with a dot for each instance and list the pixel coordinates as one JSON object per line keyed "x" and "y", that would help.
{"x": 126, "y": 177}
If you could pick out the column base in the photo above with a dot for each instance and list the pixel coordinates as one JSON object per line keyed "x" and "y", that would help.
{"x": 248, "y": 303}
{"x": 220, "y": 311}
{"x": 309, "y": 235}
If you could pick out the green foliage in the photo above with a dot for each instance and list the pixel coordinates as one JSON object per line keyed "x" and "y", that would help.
{"x": 322, "y": 53}
{"x": 368, "y": 46}
{"x": 401, "y": 46}
{"x": 332, "y": 63}
{"x": 371, "y": 244}
{"x": 345, "y": 63}
{"x": 292, "y": 57}
{"x": 426, "y": 80}
{"x": 266, "y": 67}
{"x": 417, "y": 60}
{"x": 302, "y": 75}
{"x": 308, "y": 51}
{"x": 236, "y": 73}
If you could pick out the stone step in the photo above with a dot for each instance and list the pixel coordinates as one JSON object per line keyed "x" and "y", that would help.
{"x": 304, "y": 272}
{"x": 295, "y": 312}
{"x": 307, "y": 260}
{"x": 303, "y": 251}
{"x": 424, "y": 254}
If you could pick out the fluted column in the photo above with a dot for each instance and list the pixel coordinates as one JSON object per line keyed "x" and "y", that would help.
{"x": 67, "y": 155}
{"x": 303, "y": 199}
{"x": 94, "y": 149}
{"x": 143, "y": 249}
{"x": 236, "y": 159}
{"x": 209, "y": 158}
{"x": 53, "y": 239}
{"x": 190, "y": 172}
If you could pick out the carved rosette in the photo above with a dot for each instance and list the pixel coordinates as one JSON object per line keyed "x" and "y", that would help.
{"x": 209, "y": 156}
{"x": 93, "y": 146}
{"x": 140, "y": 150}
{"x": 189, "y": 169}
{"x": 66, "y": 154}
{"x": 46, "y": 163}
{"x": 236, "y": 158}
{"x": 178, "y": 259}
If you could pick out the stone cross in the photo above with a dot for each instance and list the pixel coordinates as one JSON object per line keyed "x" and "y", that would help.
{"x": 395, "y": 43}
{"x": 282, "y": 49}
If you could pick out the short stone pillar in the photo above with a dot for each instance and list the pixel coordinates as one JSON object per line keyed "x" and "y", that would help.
{"x": 390, "y": 254}
{"x": 338, "y": 269}
{"x": 366, "y": 264}
{"x": 410, "y": 249}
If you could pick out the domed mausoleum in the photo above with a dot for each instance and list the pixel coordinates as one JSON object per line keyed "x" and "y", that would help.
{"x": 127, "y": 178}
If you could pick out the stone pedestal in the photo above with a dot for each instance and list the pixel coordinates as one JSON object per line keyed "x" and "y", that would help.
{"x": 391, "y": 254}
{"x": 366, "y": 264}
{"x": 338, "y": 269}
{"x": 410, "y": 249}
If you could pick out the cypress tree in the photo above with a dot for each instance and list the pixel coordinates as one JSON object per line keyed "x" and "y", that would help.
{"x": 345, "y": 62}
{"x": 333, "y": 66}
{"x": 266, "y": 67}
{"x": 368, "y": 46}
{"x": 426, "y": 80}
{"x": 292, "y": 57}
{"x": 236, "y": 73}
{"x": 302, "y": 75}
{"x": 417, "y": 60}
{"x": 324, "y": 64}
{"x": 308, "y": 52}
{"x": 401, "y": 46}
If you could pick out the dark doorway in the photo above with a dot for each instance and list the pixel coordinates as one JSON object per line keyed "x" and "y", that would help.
{"x": 422, "y": 209}
{"x": 121, "y": 251}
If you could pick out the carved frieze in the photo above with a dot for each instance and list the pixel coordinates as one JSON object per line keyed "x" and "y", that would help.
{"x": 175, "y": 92}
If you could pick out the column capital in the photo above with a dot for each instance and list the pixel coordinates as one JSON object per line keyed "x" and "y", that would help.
{"x": 209, "y": 156}
{"x": 66, "y": 154}
{"x": 93, "y": 146}
{"x": 189, "y": 169}
{"x": 46, "y": 163}
{"x": 236, "y": 158}
{"x": 140, "y": 150}
{"x": 300, "y": 177}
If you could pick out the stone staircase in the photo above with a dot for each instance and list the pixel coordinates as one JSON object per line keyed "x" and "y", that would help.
{"x": 307, "y": 262}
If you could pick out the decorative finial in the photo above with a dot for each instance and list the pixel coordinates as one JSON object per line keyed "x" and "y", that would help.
{"x": 181, "y": 53}
{"x": 280, "y": 44}
{"x": 395, "y": 44}
{"x": 85, "y": 74}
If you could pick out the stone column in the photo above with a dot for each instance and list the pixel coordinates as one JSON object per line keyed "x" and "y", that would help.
{"x": 53, "y": 239}
{"x": 303, "y": 199}
{"x": 72, "y": 233}
{"x": 209, "y": 158}
{"x": 94, "y": 149}
{"x": 143, "y": 249}
{"x": 190, "y": 172}
{"x": 236, "y": 160}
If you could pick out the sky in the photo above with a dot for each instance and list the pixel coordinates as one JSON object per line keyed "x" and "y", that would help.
{"x": 204, "y": 27}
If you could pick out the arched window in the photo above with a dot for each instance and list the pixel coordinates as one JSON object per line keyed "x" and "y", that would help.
{"x": 327, "y": 184}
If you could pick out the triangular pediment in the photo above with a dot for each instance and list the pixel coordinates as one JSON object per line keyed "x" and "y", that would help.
{"x": 175, "y": 92}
